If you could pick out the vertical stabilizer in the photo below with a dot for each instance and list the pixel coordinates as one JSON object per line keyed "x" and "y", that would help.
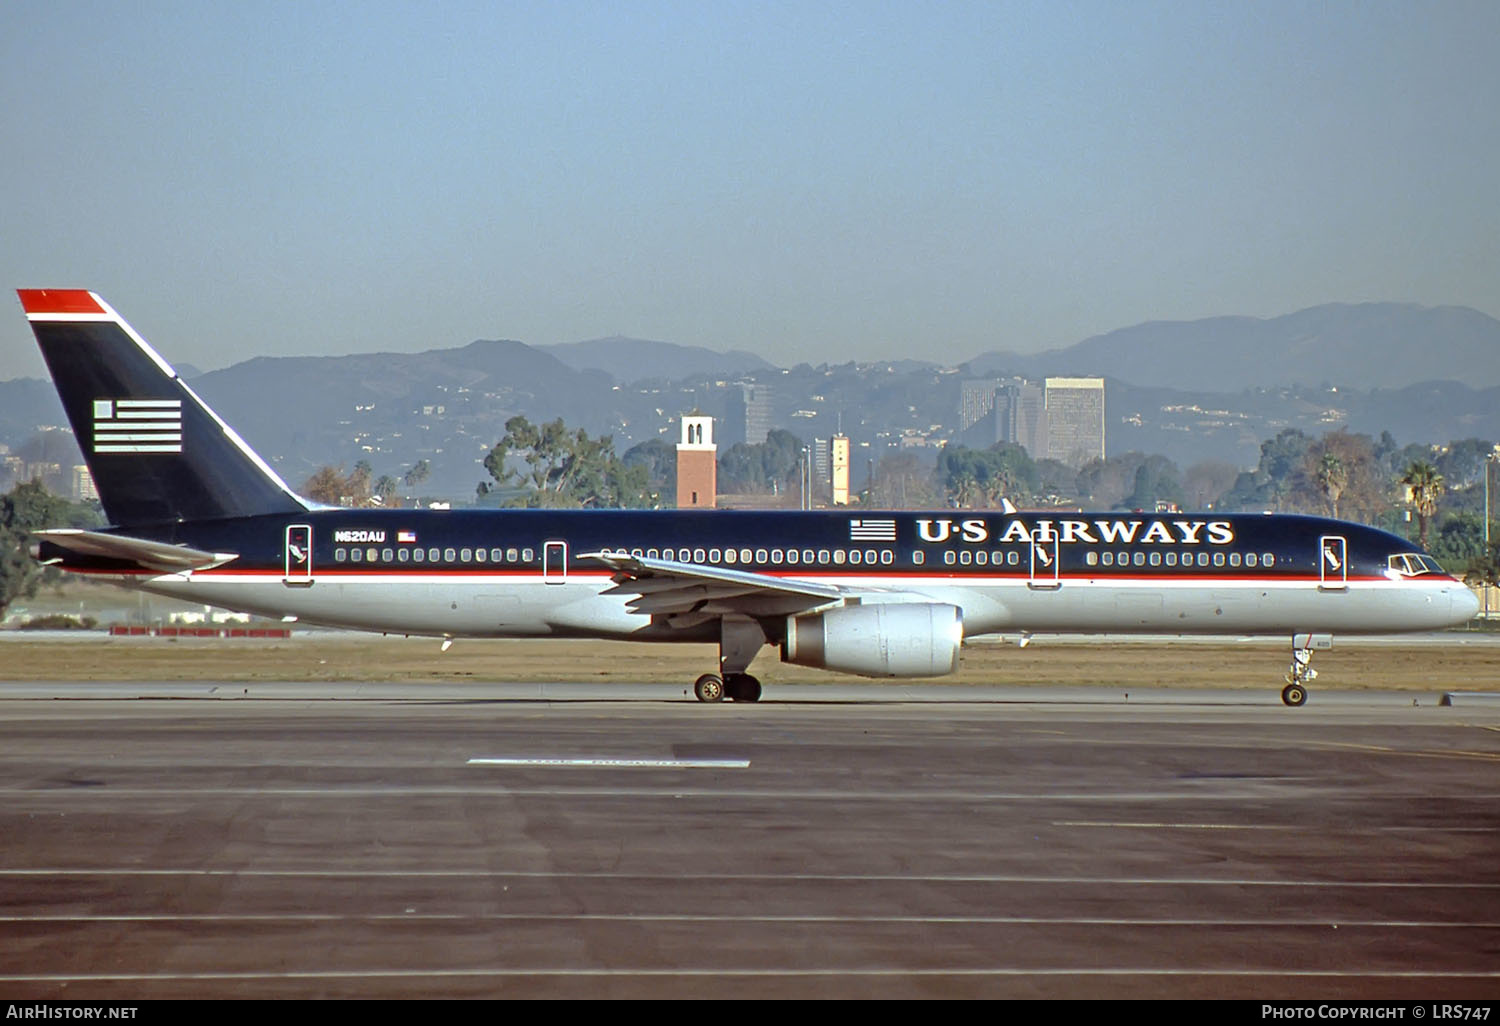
{"x": 157, "y": 453}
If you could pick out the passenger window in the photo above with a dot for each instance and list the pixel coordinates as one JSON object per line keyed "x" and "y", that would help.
{"x": 403, "y": 555}
{"x": 762, "y": 557}
{"x": 699, "y": 556}
{"x": 948, "y": 557}
{"x": 339, "y": 555}
{"x": 838, "y": 557}
{"x": 526, "y": 555}
{"x": 467, "y": 555}
{"x": 417, "y": 555}
{"x": 918, "y": 557}
{"x": 433, "y": 555}
{"x": 386, "y": 555}
{"x": 1218, "y": 559}
{"x": 1156, "y": 559}
{"x": 355, "y": 555}
{"x": 1091, "y": 559}
{"x": 511, "y": 555}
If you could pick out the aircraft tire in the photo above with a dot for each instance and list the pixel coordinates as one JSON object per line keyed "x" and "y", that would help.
{"x": 1294, "y": 694}
{"x": 709, "y": 688}
{"x": 742, "y": 687}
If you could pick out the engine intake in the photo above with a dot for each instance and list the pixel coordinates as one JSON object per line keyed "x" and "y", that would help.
{"x": 898, "y": 639}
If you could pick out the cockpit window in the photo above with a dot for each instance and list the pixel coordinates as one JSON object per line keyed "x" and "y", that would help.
{"x": 1414, "y": 564}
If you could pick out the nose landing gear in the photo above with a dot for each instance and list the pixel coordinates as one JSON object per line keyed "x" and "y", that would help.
{"x": 1301, "y": 673}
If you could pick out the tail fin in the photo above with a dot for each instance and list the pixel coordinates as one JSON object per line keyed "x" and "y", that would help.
{"x": 156, "y": 451}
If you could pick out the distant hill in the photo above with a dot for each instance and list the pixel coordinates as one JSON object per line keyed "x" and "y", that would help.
{"x": 636, "y": 359}
{"x": 1365, "y": 346}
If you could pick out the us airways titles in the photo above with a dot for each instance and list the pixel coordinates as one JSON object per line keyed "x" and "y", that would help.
{"x": 1090, "y": 532}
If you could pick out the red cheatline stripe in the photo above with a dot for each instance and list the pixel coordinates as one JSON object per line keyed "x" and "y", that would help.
{"x": 59, "y": 301}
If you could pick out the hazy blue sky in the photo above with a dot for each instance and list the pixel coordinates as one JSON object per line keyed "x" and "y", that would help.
{"x": 809, "y": 181}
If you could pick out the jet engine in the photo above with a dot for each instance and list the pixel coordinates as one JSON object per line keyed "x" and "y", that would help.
{"x": 897, "y": 639}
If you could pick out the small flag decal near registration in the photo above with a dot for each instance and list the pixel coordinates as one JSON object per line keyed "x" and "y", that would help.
{"x": 137, "y": 425}
{"x": 406, "y": 536}
{"x": 872, "y": 530}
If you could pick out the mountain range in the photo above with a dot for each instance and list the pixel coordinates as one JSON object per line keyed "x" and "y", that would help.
{"x": 1199, "y": 390}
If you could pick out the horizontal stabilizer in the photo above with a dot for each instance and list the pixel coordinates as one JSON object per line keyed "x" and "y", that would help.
{"x": 147, "y": 555}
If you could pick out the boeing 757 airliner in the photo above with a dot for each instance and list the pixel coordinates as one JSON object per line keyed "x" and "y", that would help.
{"x": 195, "y": 514}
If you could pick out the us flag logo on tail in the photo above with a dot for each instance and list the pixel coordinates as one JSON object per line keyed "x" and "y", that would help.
{"x": 872, "y": 530}
{"x": 137, "y": 425}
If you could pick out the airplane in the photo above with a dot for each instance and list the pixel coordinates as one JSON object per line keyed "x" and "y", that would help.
{"x": 197, "y": 515}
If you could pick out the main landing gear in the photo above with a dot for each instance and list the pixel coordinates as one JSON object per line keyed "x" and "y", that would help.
{"x": 737, "y": 687}
{"x": 740, "y": 638}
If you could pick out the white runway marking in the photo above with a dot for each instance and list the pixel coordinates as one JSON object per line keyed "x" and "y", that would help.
{"x": 610, "y": 763}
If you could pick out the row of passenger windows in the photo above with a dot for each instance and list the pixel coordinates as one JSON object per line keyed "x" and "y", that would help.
{"x": 1012, "y": 557}
{"x": 793, "y": 557}
{"x": 1251, "y": 559}
{"x": 774, "y": 557}
{"x": 434, "y": 555}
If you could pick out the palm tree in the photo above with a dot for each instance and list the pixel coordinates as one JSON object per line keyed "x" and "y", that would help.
{"x": 1424, "y": 489}
{"x": 1333, "y": 478}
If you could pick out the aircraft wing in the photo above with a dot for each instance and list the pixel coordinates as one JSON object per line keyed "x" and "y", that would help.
{"x": 689, "y": 593}
{"x": 145, "y": 555}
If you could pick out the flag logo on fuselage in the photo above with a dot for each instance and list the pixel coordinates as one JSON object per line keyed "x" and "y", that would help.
{"x": 872, "y": 530}
{"x": 137, "y": 425}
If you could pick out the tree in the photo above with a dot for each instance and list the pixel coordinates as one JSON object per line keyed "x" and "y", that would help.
{"x": 26, "y": 508}
{"x": 562, "y": 467}
{"x": 983, "y": 477}
{"x": 1425, "y": 488}
{"x": 904, "y": 480}
{"x": 763, "y": 467}
{"x": 1204, "y": 484}
{"x": 384, "y": 490}
{"x": 659, "y": 457}
{"x": 1333, "y": 478}
{"x": 418, "y": 473}
{"x": 332, "y": 487}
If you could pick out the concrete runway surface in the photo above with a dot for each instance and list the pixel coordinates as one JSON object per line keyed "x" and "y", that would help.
{"x": 312, "y": 841}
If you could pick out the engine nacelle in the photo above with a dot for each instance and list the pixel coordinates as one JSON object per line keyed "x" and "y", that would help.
{"x": 898, "y": 639}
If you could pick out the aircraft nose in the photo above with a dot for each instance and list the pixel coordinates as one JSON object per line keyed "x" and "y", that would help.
{"x": 1465, "y": 605}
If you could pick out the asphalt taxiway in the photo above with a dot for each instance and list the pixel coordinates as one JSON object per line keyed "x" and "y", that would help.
{"x": 338, "y": 841}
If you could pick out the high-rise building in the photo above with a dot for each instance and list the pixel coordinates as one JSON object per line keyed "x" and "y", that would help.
{"x": 1021, "y": 417}
{"x": 697, "y": 464}
{"x": 750, "y": 414}
{"x": 976, "y": 400}
{"x": 840, "y": 454}
{"x": 1075, "y": 420}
